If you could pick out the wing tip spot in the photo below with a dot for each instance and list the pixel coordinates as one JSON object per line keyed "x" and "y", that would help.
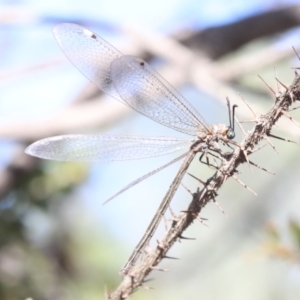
{"x": 89, "y": 33}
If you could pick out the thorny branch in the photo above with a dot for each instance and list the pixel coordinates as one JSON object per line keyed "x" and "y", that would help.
{"x": 201, "y": 198}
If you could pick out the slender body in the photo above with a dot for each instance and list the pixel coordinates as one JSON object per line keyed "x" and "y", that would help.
{"x": 159, "y": 213}
{"x": 133, "y": 82}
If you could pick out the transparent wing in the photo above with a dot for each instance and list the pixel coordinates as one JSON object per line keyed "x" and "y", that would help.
{"x": 89, "y": 53}
{"x": 128, "y": 79}
{"x": 149, "y": 93}
{"x": 90, "y": 148}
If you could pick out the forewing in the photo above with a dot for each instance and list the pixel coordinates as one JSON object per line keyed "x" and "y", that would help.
{"x": 127, "y": 79}
{"x": 150, "y": 94}
{"x": 89, "y": 53}
{"x": 89, "y": 148}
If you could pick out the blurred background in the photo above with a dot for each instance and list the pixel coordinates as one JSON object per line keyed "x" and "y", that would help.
{"x": 57, "y": 241}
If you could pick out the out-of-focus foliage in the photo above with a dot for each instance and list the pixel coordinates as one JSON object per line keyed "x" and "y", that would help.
{"x": 48, "y": 247}
{"x": 276, "y": 246}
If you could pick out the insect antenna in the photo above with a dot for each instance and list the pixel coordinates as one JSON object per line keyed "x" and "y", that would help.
{"x": 230, "y": 133}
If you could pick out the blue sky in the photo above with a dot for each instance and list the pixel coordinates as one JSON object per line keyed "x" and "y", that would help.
{"x": 26, "y": 39}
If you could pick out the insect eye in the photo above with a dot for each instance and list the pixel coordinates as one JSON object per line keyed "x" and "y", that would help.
{"x": 230, "y": 134}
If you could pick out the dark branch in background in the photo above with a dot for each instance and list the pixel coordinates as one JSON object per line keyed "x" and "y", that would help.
{"x": 264, "y": 123}
{"x": 19, "y": 169}
{"x": 215, "y": 42}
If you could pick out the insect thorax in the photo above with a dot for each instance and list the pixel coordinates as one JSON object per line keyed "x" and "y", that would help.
{"x": 216, "y": 131}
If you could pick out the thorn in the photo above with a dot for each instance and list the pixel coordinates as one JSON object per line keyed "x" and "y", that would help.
{"x": 268, "y": 140}
{"x": 242, "y": 129}
{"x": 246, "y": 157}
{"x": 226, "y": 177}
{"x": 254, "y": 114}
{"x": 170, "y": 257}
{"x": 282, "y": 139}
{"x": 286, "y": 88}
{"x": 236, "y": 172}
{"x": 146, "y": 288}
{"x": 195, "y": 216}
{"x": 296, "y": 53}
{"x": 201, "y": 220}
{"x": 291, "y": 96}
{"x": 294, "y": 108}
{"x": 289, "y": 117}
{"x": 257, "y": 149}
{"x": 267, "y": 86}
{"x": 193, "y": 176}
{"x": 257, "y": 166}
{"x": 186, "y": 238}
{"x": 219, "y": 206}
{"x": 159, "y": 269}
{"x": 187, "y": 189}
{"x": 244, "y": 185}
{"x": 278, "y": 111}
{"x": 201, "y": 194}
{"x": 248, "y": 121}
{"x": 147, "y": 280}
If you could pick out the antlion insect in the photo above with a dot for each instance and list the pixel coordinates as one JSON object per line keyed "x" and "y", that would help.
{"x": 133, "y": 82}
